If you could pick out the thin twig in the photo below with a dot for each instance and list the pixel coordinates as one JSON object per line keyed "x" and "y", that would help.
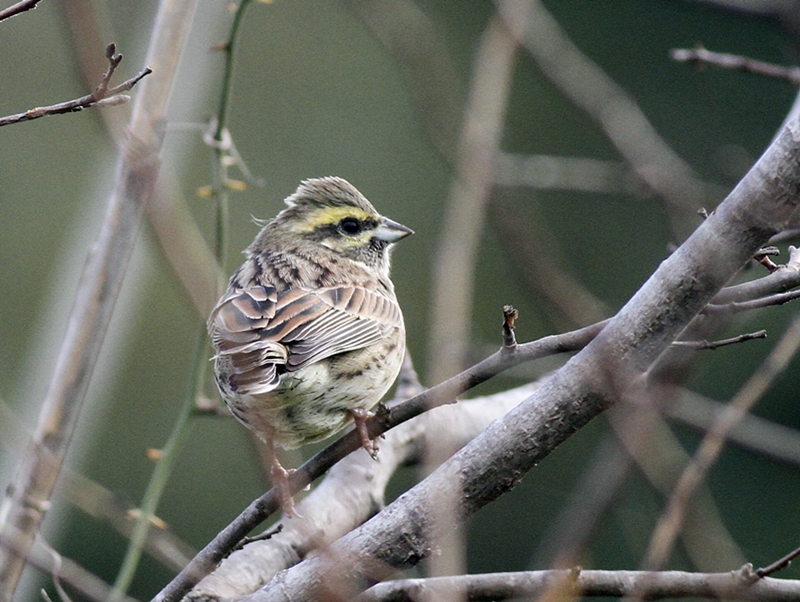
{"x": 671, "y": 521}
{"x": 101, "y": 96}
{"x": 760, "y": 334}
{"x": 737, "y": 306}
{"x": 220, "y": 139}
{"x": 700, "y": 56}
{"x": 779, "y": 564}
{"x": 790, "y": 234}
{"x": 19, "y": 7}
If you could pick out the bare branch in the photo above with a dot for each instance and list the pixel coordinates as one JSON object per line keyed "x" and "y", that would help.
{"x": 784, "y": 278}
{"x": 760, "y": 206}
{"x": 101, "y": 96}
{"x": 442, "y": 394}
{"x": 97, "y": 501}
{"x": 700, "y": 56}
{"x": 350, "y": 493}
{"x": 19, "y": 7}
{"x": 606, "y": 370}
{"x": 27, "y": 498}
{"x": 44, "y": 558}
{"x": 760, "y": 334}
{"x": 660, "y": 455}
{"x": 735, "y": 306}
{"x": 575, "y": 583}
{"x": 671, "y": 521}
{"x": 753, "y": 433}
{"x": 655, "y": 164}
{"x": 779, "y": 564}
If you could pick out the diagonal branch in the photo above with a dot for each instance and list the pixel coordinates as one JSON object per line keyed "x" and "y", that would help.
{"x": 670, "y": 523}
{"x": 441, "y": 394}
{"x": 350, "y": 493}
{"x": 625, "y": 125}
{"x": 19, "y": 7}
{"x": 608, "y": 369}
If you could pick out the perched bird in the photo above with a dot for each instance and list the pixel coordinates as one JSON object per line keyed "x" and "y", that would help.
{"x": 309, "y": 335}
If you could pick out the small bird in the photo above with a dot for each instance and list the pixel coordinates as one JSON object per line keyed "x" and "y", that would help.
{"x": 309, "y": 336}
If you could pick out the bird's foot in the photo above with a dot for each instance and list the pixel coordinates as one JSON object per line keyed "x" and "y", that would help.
{"x": 360, "y": 417}
{"x": 280, "y": 481}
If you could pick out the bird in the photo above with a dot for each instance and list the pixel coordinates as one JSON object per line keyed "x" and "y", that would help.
{"x": 309, "y": 335}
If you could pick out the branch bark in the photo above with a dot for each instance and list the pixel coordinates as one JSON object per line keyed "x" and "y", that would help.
{"x": 350, "y": 493}
{"x": 733, "y": 585}
{"x": 608, "y": 369}
{"x": 27, "y": 497}
{"x": 19, "y": 7}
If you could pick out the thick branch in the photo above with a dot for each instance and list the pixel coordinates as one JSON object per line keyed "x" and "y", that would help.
{"x": 446, "y": 392}
{"x": 606, "y": 370}
{"x": 350, "y": 493}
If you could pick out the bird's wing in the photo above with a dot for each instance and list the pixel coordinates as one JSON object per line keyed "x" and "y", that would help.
{"x": 259, "y": 328}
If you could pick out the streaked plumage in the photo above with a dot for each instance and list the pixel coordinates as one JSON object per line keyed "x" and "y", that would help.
{"x": 309, "y": 334}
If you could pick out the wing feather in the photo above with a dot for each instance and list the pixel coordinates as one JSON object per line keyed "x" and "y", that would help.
{"x": 261, "y": 333}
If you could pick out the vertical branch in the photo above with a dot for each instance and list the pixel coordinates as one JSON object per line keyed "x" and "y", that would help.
{"x": 28, "y": 496}
{"x": 220, "y": 141}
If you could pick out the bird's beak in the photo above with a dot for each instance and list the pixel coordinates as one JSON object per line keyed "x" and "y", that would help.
{"x": 391, "y": 231}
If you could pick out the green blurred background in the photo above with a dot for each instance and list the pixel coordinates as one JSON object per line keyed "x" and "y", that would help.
{"x": 315, "y": 93}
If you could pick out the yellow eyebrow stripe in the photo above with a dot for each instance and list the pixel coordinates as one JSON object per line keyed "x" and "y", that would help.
{"x": 330, "y": 215}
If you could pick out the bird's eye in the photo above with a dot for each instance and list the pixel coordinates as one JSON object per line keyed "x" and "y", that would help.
{"x": 350, "y": 225}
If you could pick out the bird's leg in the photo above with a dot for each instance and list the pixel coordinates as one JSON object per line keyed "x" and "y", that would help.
{"x": 360, "y": 417}
{"x": 280, "y": 480}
